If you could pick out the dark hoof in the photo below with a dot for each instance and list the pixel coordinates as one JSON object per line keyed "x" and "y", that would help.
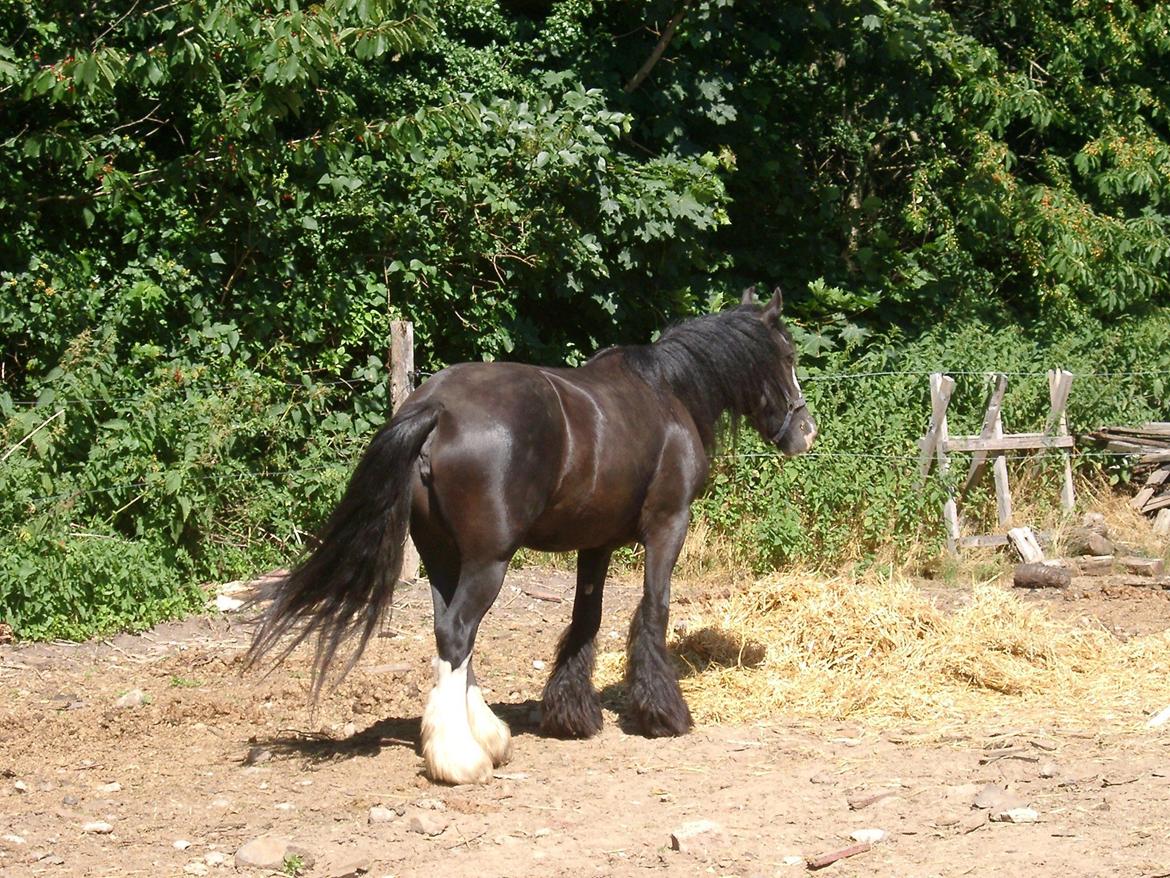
{"x": 569, "y": 712}
{"x": 661, "y": 718}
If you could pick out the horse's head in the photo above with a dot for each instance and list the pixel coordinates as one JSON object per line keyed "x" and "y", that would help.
{"x": 782, "y": 416}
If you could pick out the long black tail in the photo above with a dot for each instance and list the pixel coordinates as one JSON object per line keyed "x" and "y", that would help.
{"x": 347, "y": 584}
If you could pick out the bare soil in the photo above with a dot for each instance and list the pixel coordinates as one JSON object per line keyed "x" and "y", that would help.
{"x": 215, "y": 758}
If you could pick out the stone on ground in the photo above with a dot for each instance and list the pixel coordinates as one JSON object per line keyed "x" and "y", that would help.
{"x": 696, "y": 836}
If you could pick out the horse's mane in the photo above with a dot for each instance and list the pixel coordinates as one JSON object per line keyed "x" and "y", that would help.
{"x": 714, "y": 364}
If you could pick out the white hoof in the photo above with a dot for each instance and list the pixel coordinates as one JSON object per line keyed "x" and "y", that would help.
{"x": 492, "y": 733}
{"x": 450, "y": 751}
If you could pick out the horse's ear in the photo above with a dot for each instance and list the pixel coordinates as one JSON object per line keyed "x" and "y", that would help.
{"x": 773, "y": 309}
{"x": 749, "y": 296}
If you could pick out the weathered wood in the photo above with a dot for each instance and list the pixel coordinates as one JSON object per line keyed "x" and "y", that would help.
{"x": 1059, "y": 385}
{"x": 1026, "y": 544}
{"x": 829, "y": 857}
{"x": 984, "y": 541}
{"x": 1162, "y": 524}
{"x": 941, "y": 388}
{"x": 991, "y": 418}
{"x": 1041, "y": 576}
{"x": 401, "y": 386}
{"x": 1155, "y": 481}
{"x": 1156, "y": 503}
{"x": 1145, "y": 581}
{"x": 1014, "y": 442}
{"x": 1143, "y": 566}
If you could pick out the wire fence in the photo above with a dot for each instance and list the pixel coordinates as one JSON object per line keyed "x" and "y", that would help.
{"x": 901, "y": 456}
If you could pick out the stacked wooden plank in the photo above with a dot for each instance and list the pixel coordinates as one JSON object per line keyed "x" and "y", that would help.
{"x": 1150, "y": 444}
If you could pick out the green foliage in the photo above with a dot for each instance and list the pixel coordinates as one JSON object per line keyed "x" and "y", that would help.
{"x": 210, "y": 210}
{"x": 859, "y": 492}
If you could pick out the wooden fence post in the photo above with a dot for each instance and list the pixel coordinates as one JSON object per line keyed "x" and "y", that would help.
{"x": 1059, "y": 384}
{"x": 934, "y": 443}
{"x": 401, "y": 386}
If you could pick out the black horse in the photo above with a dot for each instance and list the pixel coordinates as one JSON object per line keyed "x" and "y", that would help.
{"x": 485, "y": 458}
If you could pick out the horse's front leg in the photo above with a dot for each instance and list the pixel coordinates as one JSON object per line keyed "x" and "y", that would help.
{"x": 571, "y": 706}
{"x": 657, "y": 707}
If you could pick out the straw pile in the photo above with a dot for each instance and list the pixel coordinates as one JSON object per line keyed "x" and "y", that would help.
{"x": 881, "y": 650}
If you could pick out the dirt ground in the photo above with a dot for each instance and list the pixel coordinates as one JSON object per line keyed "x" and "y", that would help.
{"x": 212, "y": 760}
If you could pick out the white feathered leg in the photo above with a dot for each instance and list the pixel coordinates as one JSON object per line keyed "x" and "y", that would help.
{"x": 450, "y": 751}
{"x": 492, "y": 733}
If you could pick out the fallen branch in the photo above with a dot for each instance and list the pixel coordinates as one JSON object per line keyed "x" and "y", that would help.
{"x": 830, "y": 857}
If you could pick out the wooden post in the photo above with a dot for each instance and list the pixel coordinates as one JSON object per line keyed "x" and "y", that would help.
{"x": 935, "y": 441}
{"x": 993, "y": 429}
{"x": 401, "y": 386}
{"x": 1059, "y": 384}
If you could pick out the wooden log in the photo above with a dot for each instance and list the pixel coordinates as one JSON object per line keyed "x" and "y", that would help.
{"x": 1040, "y": 576}
{"x": 1143, "y": 566}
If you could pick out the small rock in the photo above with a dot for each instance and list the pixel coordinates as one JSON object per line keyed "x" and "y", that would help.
{"x": 995, "y": 798}
{"x": 227, "y": 604}
{"x": 265, "y": 852}
{"x": 543, "y": 832}
{"x": 869, "y": 836}
{"x": 351, "y": 866}
{"x": 793, "y": 860}
{"x": 348, "y": 730}
{"x": 215, "y": 858}
{"x": 1015, "y": 815}
{"x": 428, "y": 824}
{"x": 431, "y": 804}
{"x": 69, "y": 801}
{"x": 133, "y": 698}
{"x": 538, "y": 664}
{"x": 98, "y": 827}
{"x": 114, "y": 787}
{"x": 696, "y": 836}
{"x": 378, "y": 814}
{"x": 1159, "y": 719}
{"x": 12, "y": 839}
{"x": 20, "y": 786}
{"x": 180, "y": 844}
{"x": 284, "y": 806}
{"x": 257, "y": 755}
{"x": 195, "y": 868}
{"x": 1048, "y": 768}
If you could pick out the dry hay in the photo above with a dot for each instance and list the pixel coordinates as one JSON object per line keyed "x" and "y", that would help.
{"x": 880, "y": 650}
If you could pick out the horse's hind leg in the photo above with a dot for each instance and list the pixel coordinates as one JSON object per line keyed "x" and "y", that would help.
{"x": 451, "y": 750}
{"x": 492, "y": 733}
{"x": 655, "y": 700}
{"x": 572, "y": 707}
